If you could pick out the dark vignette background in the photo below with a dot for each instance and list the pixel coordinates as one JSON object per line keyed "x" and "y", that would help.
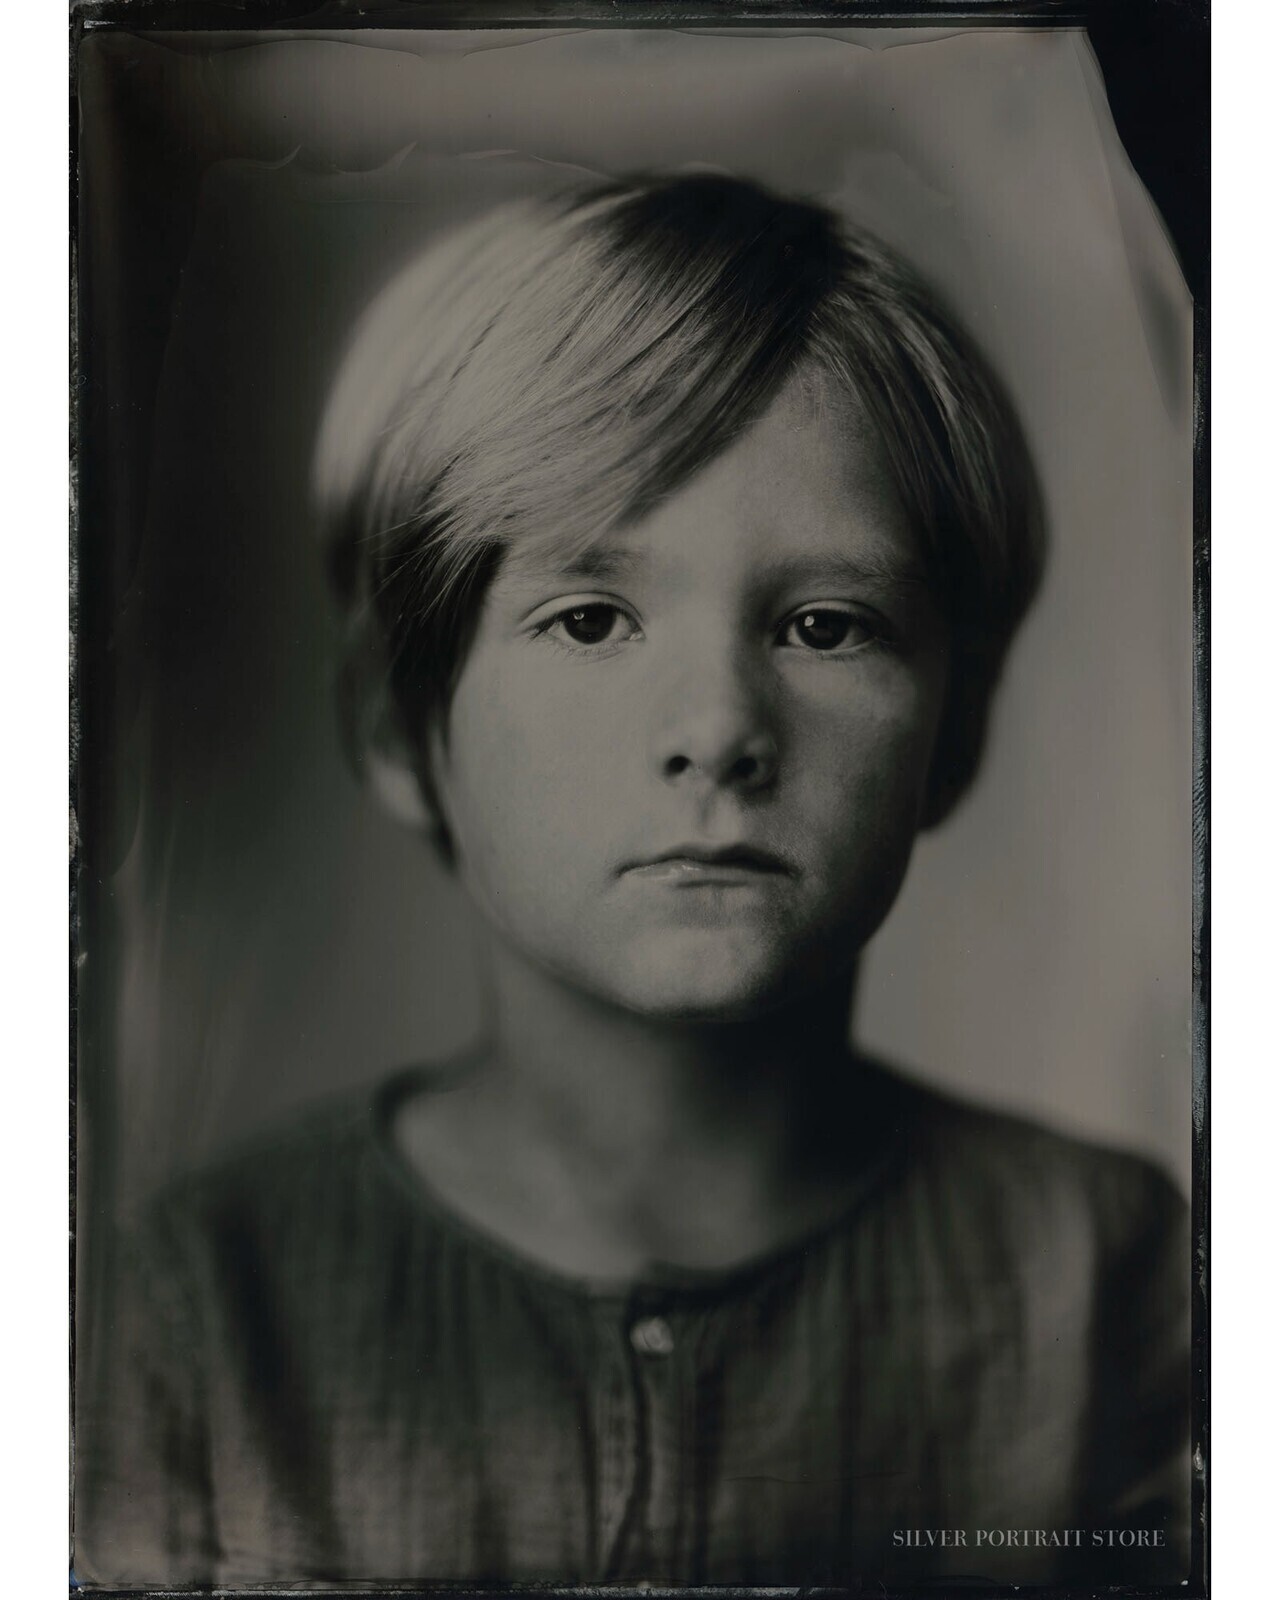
{"x": 144, "y": 166}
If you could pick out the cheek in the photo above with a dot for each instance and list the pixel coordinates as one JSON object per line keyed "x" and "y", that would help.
{"x": 861, "y": 785}
{"x": 524, "y": 782}
{"x": 871, "y": 756}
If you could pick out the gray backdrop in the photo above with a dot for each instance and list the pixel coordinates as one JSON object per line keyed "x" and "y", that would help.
{"x": 266, "y": 935}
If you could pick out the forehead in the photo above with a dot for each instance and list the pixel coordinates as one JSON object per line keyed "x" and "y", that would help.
{"x": 806, "y": 483}
{"x": 817, "y": 442}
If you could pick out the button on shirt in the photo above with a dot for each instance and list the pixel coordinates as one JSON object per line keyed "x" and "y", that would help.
{"x": 323, "y": 1377}
{"x": 651, "y": 1336}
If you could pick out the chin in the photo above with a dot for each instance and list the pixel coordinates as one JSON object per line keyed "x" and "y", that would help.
{"x": 690, "y": 978}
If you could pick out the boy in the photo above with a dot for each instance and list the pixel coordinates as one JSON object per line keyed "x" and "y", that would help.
{"x": 682, "y": 538}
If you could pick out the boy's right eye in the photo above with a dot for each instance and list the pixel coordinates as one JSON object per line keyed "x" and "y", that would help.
{"x": 590, "y": 625}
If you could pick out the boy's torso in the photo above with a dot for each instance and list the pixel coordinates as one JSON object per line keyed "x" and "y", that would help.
{"x": 973, "y": 1352}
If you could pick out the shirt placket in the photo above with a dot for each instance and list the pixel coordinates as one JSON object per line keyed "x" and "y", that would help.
{"x": 618, "y": 1453}
{"x": 642, "y": 1526}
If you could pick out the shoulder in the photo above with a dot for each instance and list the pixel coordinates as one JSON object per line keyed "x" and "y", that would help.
{"x": 292, "y": 1198}
{"x": 1010, "y": 1180}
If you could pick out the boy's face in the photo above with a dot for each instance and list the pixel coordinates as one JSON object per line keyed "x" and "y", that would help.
{"x": 686, "y": 774}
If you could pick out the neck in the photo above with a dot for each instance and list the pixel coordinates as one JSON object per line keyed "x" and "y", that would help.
{"x": 600, "y": 1142}
{"x": 645, "y": 1095}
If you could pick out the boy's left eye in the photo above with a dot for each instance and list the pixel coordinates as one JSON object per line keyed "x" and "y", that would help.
{"x": 826, "y": 629}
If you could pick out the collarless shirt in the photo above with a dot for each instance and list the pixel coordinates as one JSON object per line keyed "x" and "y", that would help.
{"x": 320, "y": 1376}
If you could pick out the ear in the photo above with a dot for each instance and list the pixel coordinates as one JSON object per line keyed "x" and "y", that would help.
{"x": 406, "y": 784}
{"x": 396, "y": 784}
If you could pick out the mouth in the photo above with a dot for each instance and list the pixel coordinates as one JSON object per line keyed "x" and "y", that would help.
{"x": 692, "y": 866}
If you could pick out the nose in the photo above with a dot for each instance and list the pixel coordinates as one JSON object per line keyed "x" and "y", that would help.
{"x": 719, "y": 729}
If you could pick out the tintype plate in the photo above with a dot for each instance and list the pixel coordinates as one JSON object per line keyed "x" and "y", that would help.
{"x": 508, "y": 702}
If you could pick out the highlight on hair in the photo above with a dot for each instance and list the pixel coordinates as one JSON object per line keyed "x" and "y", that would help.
{"x": 549, "y": 372}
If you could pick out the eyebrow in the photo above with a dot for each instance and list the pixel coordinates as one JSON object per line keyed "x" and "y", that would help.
{"x": 598, "y": 562}
{"x": 872, "y": 569}
{"x": 878, "y": 571}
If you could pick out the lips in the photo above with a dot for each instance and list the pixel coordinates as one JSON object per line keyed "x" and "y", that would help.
{"x": 704, "y": 864}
